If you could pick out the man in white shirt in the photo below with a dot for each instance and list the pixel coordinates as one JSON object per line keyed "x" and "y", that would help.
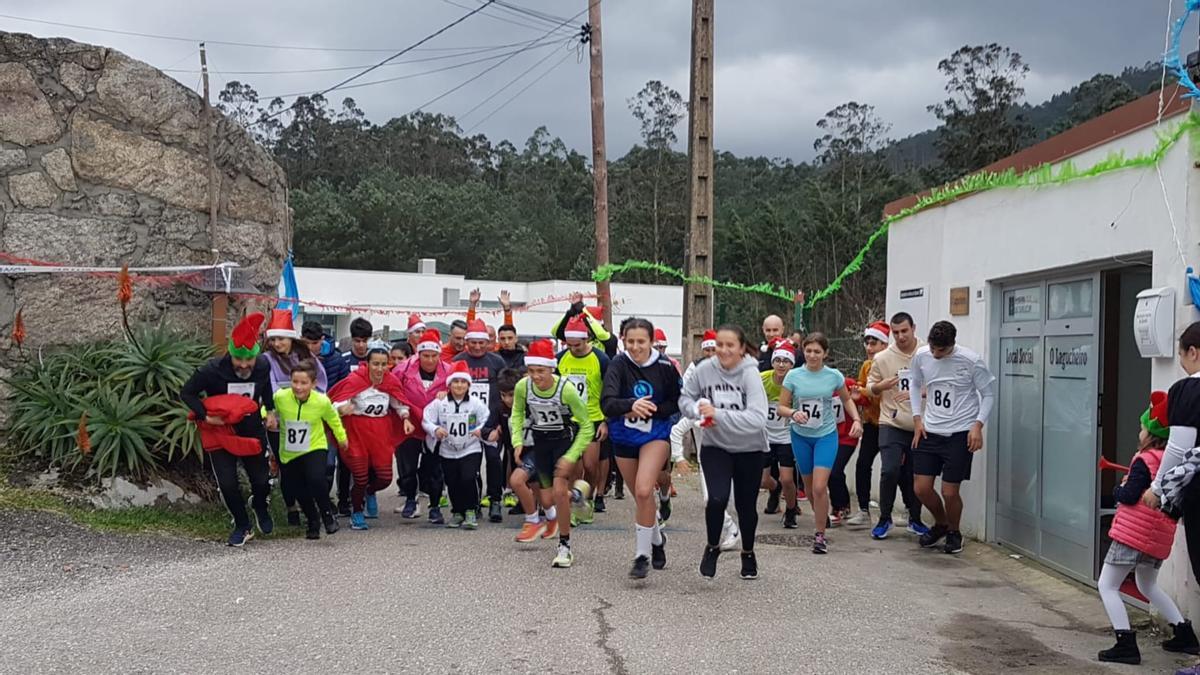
{"x": 947, "y": 427}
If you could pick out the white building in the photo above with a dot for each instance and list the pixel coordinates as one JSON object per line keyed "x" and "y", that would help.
{"x": 387, "y": 298}
{"x": 1051, "y": 276}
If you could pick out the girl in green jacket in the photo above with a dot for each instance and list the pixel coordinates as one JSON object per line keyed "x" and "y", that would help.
{"x": 303, "y": 416}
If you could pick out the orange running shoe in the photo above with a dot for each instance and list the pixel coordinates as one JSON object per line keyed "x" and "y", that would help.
{"x": 531, "y": 531}
{"x": 551, "y": 529}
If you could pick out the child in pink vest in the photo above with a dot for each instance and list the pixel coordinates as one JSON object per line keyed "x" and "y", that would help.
{"x": 1141, "y": 540}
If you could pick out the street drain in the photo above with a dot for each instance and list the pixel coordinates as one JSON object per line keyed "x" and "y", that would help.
{"x": 784, "y": 539}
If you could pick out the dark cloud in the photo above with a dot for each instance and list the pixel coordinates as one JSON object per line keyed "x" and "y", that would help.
{"x": 780, "y": 63}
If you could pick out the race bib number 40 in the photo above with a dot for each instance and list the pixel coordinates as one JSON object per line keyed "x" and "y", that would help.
{"x": 815, "y": 409}
{"x": 458, "y": 425}
{"x": 297, "y": 436}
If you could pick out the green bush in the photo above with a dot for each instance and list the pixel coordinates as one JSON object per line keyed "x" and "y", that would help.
{"x": 130, "y": 394}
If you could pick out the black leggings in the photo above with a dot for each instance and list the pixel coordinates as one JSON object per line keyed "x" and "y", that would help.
{"x": 224, "y": 467}
{"x": 417, "y": 466}
{"x": 461, "y": 482}
{"x": 745, "y": 470}
{"x": 868, "y": 449}
{"x": 497, "y": 477}
{"x": 1191, "y": 524}
{"x": 289, "y": 499}
{"x": 304, "y": 476}
{"x": 839, "y": 491}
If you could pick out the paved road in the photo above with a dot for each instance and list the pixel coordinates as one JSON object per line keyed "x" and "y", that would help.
{"x": 407, "y": 597}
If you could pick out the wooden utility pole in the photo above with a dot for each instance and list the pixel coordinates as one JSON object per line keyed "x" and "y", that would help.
{"x": 698, "y": 298}
{"x": 599, "y": 156}
{"x": 220, "y": 301}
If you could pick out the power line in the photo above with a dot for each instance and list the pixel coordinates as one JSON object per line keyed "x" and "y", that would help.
{"x": 521, "y": 13}
{"x": 498, "y": 17}
{"x": 516, "y": 95}
{"x": 506, "y": 86}
{"x": 530, "y": 12}
{"x": 416, "y": 44}
{"x": 228, "y": 43}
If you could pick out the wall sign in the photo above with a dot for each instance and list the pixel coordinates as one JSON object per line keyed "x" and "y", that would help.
{"x": 960, "y": 301}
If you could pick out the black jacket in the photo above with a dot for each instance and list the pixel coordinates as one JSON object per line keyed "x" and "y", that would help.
{"x": 214, "y": 378}
{"x": 513, "y": 358}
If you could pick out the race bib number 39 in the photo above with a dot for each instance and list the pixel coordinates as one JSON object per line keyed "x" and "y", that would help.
{"x": 815, "y": 409}
{"x": 297, "y": 436}
{"x": 579, "y": 382}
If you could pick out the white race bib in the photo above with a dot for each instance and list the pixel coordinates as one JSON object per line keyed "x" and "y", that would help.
{"x": 579, "y": 382}
{"x": 904, "y": 379}
{"x": 939, "y": 401}
{"x": 546, "y": 416}
{"x": 815, "y": 409}
{"x": 373, "y": 405}
{"x": 481, "y": 391}
{"x": 297, "y": 436}
{"x": 839, "y": 412}
{"x": 727, "y": 400}
{"x": 458, "y": 425}
{"x": 773, "y": 418}
{"x": 642, "y": 425}
{"x": 240, "y": 389}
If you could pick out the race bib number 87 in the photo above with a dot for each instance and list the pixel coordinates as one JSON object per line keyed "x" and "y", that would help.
{"x": 297, "y": 436}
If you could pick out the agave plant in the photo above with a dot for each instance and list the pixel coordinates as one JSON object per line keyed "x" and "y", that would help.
{"x": 160, "y": 363}
{"x": 121, "y": 425}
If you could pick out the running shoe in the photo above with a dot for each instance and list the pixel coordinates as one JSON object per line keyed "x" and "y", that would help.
{"x": 411, "y": 509}
{"x": 516, "y": 511}
{"x": 800, "y": 493}
{"x": 435, "y": 516}
{"x": 598, "y": 504}
{"x": 835, "y": 519}
{"x": 732, "y": 539}
{"x": 372, "y": 510}
{"x": 882, "y": 529}
{"x": 510, "y": 500}
{"x": 331, "y": 523}
{"x": 313, "y": 532}
{"x": 789, "y": 518}
{"x": 495, "y": 513}
{"x": 708, "y": 563}
{"x": 485, "y": 502}
{"x": 551, "y": 529}
{"x": 1191, "y": 670}
{"x": 239, "y": 536}
{"x": 619, "y": 492}
{"x": 358, "y": 521}
{"x": 585, "y": 515}
{"x": 530, "y": 532}
{"x": 456, "y": 520}
{"x": 262, "y": 518}
{"x": 293, "y": 518}
{"x": 664, "y": 511}
{"x": 860, "y": 518}
{"x": 954, "y": 542}
{"x": 820, "y": 546}
{"x": 343, "y": 508}
{"x": 917, "y": 527}
{"x": 773, "y": 501}
{"x": 444, "y": 502}
{"x": 564, "y": 557}
{"x": 641, "y": 567}
{"x": 471, "y": 522}
{"x": 749, "y": 565}
{"x": 933, "y": 536}
{"x": 658, "y": 553}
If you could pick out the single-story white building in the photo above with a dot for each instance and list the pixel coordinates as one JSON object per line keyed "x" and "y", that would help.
{"x": 1043, "y": 282}
{"x": 387, "y": 298}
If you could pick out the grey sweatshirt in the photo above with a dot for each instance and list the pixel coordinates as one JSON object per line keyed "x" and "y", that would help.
{"x": 740, "y": 422}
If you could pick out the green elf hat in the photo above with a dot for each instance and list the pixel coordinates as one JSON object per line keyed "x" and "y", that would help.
{"x": 243, "y": 342}
{"x": 1155, "y": 418}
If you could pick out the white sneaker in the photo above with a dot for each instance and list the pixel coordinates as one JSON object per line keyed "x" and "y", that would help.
{"x": 731, "y": 538}
{"x": 859, "y": 519}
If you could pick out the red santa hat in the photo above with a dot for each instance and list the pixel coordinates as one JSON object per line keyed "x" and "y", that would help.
{"x": 477, "y": 330}
{"x": 660, "y": 338}
{"x": 459, "y": 371}
{"x": 243, "y": 341}
{"x": 415, "y": 324}
{"x": 878, "y": 330}
{"x": 576, "y": 328}
{"x": 710, "y": 340}
{"x": 431, "y": 341}
{"x": 783, "y": 349}
{"x": 281, "y": 325}
{"x": 596, "y": 313}
{"x": 541, "y": 353}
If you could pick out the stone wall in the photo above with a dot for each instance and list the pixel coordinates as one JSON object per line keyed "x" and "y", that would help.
{"x": 103, "y": 162}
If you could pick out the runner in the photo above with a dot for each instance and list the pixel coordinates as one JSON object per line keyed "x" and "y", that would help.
{"x": 839, "y": 491}
{"x": 891, "y": 380}
{"x": 422, "y": 378}
{"x": 600, "y": 337}
{"x": 584, "y": 366}
{"x": 726, "y": 394}
{"x": 336, "y": 369}
{"x": 875, "y": 340}
{"x": 947, "y": 427}
{"x": 772, "y": 328}
{"x": 304, "y": 415}
{"x": 498, "y": 430}
{"x": 641, "y": 401}
{"x": 455, "y": 424}
{"x": 806, "y": 398}
{"x": 561, "y": 430}
{"x": 779, "y": 436}
{"x": 371, "y": 403}
{"x": 241, "y": 373}
{"x": 398, "y": 352}
{"x": 361, "y": 332}
{"x": 484, "y": 365}
{"x": 509, "y": 349}
{"x": 416, "y": 329}
{"x": 458, "y": 340}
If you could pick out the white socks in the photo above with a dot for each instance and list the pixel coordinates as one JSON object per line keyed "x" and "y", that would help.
{"x": 533, "y": 518}
{"x": 657, "y": 538}
{"x": 645, "y": 536}
{"x": 551, "y": 513}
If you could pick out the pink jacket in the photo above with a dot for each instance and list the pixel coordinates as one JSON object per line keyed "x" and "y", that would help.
{"x": 415, "y": 393}
{"x": 1140, "y": 527}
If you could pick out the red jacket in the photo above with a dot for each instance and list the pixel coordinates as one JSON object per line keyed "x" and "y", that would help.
{"x": 359, "y": 381}
{"x": 414, "y": 391}
{"x": 231, "y": 408}
{"x": 448, "y": 352}
{"x": 1140, "y": 527}
{"x": 843, "y": 427}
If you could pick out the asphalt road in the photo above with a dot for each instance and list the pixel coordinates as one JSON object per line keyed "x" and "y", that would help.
{"x": 409, "y": 597}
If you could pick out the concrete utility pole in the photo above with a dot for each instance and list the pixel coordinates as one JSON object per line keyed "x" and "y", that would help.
{"x": 599, "y": 156}
{"x": 220, "y": 301}
{"x": 698, "y": 298}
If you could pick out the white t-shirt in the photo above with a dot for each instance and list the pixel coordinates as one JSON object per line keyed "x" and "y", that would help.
{"x": 958, "y": 390}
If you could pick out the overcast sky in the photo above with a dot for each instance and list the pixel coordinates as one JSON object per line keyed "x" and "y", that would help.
{"x": 781, "y": 64}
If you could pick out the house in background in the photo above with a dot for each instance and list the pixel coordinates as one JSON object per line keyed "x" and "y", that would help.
{"x": 441, "y": 298}
{"x": 1043, "y": 282}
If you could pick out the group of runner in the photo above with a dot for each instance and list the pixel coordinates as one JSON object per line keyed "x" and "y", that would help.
{"x": 549, "y": 433}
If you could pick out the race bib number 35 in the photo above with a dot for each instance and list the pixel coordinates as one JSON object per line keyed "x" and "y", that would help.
{"x": 297, "y": 436}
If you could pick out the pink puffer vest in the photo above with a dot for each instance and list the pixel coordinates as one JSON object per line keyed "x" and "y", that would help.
{"x": 1141, "y": 527}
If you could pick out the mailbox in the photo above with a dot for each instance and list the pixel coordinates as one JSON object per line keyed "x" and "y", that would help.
{"x": 1154, "y": 322}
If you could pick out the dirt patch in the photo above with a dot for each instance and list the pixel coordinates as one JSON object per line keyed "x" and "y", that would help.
{"x": 980, "y": 644}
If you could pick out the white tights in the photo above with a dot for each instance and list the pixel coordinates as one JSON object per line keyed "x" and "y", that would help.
{"x": 1111, "y": 577}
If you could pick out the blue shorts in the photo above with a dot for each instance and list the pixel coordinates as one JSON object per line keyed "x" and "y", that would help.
{"x": 820, "y": 452}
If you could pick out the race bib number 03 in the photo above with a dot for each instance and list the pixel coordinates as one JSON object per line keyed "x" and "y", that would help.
{"x": 297, "y": 436}
{"x": 375, "y": 405}
{"x": 815, "y": 409}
